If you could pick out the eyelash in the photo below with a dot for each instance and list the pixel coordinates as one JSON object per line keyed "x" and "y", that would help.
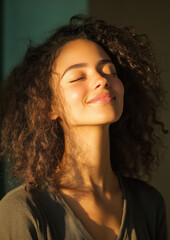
{"x": 114, "y": 74}
{"x": 77, "y": 79}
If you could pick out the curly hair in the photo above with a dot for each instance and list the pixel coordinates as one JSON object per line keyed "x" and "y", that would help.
{"x": 34, "y": 144}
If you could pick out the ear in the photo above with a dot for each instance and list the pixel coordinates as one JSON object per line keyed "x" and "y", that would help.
{"x": 53, "y": 115}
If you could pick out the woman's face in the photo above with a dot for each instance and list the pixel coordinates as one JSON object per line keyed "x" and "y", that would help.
{"x": 92, "y": 93}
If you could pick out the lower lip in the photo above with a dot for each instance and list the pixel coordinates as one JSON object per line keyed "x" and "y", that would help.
{"x": 103, "y": 100}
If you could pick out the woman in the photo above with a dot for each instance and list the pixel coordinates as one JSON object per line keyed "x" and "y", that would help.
{"x": 73, "y": 143}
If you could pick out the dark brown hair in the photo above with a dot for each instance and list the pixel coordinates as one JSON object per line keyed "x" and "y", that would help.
{"x": 34, "y": 144}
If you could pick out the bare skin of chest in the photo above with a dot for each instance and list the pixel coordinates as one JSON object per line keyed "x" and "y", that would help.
{"x": 100, "y": 216}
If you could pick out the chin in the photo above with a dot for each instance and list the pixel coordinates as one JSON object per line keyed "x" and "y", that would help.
{"x": 96, "y": 119}
{"x": 109, "y": 118}
{"x": 108, "y": 121}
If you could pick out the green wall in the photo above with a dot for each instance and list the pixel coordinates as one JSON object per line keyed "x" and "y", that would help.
{"x": 33, "y": 19}
{"x": 23, "y": 20}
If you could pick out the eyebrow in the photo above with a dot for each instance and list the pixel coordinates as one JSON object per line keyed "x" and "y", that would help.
{"x": 80, "y": 65}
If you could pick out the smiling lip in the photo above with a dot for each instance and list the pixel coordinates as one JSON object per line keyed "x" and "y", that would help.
{"x": 102, "y": 98}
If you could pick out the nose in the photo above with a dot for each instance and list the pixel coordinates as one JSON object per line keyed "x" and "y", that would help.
{"x": 100, "y": 81}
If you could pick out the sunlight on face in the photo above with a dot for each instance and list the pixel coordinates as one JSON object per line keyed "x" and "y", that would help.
{"x": 92, "y": 93}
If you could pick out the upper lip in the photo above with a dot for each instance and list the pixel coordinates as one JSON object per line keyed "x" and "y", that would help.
{"x": 101, "y": 96}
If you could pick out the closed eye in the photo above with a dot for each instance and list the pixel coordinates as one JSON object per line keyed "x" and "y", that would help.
{"x": 107, "y": 69}
{"x": 77, "y": 79}
{"x": 112, "y": 74}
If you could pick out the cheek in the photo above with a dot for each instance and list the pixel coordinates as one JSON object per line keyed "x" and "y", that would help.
{"x": 75, "y": 94}
{"x": 117, "y": 85}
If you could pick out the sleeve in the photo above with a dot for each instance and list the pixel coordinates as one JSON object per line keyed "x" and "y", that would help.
{"x": 161, "y": 221}
{"x": 16, "y": 221}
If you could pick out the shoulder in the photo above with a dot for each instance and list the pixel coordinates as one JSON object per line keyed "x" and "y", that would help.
{"x": 37, "y": 204}
{"x": 142, "y": 190}
{"x": 17, "y": 216}
{"x": 145, "y": 202}
{"x": 32, "y": 205}
{"x": 16, "y": 196}
{"x": 29, "y": 214}
{"x": 144, "y": 198}
{"x": 18, "y": 204}
{"x": 24, "y": 199}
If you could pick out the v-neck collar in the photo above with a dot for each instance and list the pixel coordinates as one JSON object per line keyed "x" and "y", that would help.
{"x": 81, "y": 228}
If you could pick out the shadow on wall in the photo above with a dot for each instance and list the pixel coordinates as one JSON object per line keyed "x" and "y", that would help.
{"x": 152, "y": 18}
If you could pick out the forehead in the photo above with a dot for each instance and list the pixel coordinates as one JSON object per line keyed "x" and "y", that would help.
{"x": 79, "y": 51}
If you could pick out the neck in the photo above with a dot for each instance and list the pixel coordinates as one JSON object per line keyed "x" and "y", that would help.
{"x": 87, "y": 159}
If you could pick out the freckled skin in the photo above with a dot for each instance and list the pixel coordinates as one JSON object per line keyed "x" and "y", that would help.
{"x": 79, "y": 85}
